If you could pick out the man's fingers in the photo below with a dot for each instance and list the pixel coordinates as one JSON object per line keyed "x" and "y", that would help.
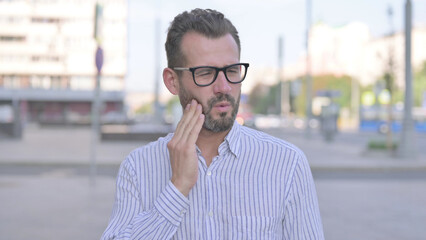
{"x": 193, "y": 127}
{"x": 181, "y": 124}
{"x": 193, "y": 134}
{"x": 188, "y": 120}
{"x": 187, "y": 114}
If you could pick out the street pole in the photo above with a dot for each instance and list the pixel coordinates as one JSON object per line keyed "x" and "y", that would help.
{"x": 279, "y": 100}
{"x": 96, "y": 103}
{"x": 284, "y": 85}
{"x": 389, "y": 79}
{"x": 158, "y": 114}
{"x": 157, "y": 110}
{"x": 407, "y": 145}
{"x": 308, "y": 71}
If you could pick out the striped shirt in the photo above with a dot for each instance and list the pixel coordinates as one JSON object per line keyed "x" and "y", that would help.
{"x": 258, "y": 187}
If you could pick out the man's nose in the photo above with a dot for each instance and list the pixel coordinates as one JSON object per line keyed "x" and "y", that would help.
{"x": 221, "y": 85}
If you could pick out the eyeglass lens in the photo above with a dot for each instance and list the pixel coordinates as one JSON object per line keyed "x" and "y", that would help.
{"x": 206, "y": 75}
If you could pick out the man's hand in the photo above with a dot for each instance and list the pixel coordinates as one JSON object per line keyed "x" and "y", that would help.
{"x": 183, "y": 155}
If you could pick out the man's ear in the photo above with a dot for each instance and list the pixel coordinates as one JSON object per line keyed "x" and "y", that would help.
{"x": 171, "y": 81}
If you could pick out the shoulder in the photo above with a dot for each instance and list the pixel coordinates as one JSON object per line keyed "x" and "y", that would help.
{"x": 263, "y": 139}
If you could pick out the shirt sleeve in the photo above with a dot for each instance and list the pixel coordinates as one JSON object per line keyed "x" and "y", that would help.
{"x": 129, "y": 219}
{"x": 302, "y": 216}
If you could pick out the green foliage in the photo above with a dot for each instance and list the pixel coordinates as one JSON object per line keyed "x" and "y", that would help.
{"x": 263, "y": 98}
{"x": 341, "y": 84}
{"x": 419, "y": 85}
{"x": 325, "y": 82}
{"x": 172, "y": 101}
{"x": 300, "y": 100}
{"x": 148, "y": 108}
{"x": 397, "y": 95}
{"x": 381, "y": 145}
{"x": 145, "y": 108}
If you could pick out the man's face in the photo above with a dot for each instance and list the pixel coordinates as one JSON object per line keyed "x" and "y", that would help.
{"x": 219, "y": 100}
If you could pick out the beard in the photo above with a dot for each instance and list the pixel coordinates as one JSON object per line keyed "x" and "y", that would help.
{"x": 221, "y": 124}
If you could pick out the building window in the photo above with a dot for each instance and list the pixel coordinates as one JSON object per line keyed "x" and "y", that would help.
{"x": 56, "y": 82}
{"x": 11, "y": 19}
{"x": 37, "y": 58}
{"x": 82, "y": 83}
{"x": 44, "y": 20}
{"x": 35, "y": 82}
{"x": 11, "y": 82}
{"x": 12, "y": 58}
{"x": 43, "y": 82}
{"x": 10, "y": 38}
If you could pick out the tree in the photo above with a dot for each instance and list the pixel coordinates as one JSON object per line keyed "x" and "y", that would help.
{"x": 169, "y": 105}
{"x": 419, "y": 85}
{"x": 262, "y": 99}
{"x": 144, "y": 109}
{"x": 342, "y": 84}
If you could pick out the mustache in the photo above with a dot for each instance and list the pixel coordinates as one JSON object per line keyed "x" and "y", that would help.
{"x": 219, "y": 98}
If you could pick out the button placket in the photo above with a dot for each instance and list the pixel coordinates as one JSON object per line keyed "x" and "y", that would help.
{"x": 209, "y": 192}
{"x": 210, "y": 187}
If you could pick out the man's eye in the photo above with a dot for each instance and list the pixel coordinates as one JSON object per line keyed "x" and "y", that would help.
{"x": 204, "y": 72}
{"x": 235, "y": 69}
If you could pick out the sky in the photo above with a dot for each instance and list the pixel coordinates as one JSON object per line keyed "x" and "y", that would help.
{"x": 260, "y": 23}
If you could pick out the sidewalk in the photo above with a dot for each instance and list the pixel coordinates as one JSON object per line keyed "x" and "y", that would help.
{"x": 54, "y": 205}
{"x": 348, "y": 151}
{"x": 62, "y": 146}
{"x": 72, "y": 146}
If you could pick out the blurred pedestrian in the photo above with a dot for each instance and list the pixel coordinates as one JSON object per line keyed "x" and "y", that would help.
{"x": 212, "y": 178}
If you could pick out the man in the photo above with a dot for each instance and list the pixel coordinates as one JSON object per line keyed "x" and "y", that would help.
{"x": 212, "y": 178}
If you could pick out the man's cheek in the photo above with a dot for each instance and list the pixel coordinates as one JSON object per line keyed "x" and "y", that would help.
{"x": 203, "y": 106}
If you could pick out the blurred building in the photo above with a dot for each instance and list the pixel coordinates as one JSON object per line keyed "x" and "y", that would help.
{"x": 47, "y": 59}
{"x": 351, "y": 50}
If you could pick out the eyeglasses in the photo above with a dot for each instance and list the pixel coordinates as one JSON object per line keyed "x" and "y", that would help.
{"x": 206, "y": 75}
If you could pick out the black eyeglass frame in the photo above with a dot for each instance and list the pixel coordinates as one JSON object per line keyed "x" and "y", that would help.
{"x": 223, "y": 69}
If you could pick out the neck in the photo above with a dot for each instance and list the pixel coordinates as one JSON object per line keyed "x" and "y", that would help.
{"x": 208, "y": 142}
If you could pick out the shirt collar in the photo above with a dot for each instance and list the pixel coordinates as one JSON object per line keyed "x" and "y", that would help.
{"x": 232, "y": 140}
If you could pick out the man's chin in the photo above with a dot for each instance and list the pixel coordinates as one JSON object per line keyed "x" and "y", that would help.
{"x": 220, "y": 124}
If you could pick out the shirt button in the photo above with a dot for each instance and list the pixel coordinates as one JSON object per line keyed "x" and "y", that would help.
{"x": 209, "y": 173}
{"x": 211, "y": 213}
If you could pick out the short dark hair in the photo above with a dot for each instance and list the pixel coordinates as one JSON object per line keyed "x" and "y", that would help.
{"x": 207, "y": 22}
